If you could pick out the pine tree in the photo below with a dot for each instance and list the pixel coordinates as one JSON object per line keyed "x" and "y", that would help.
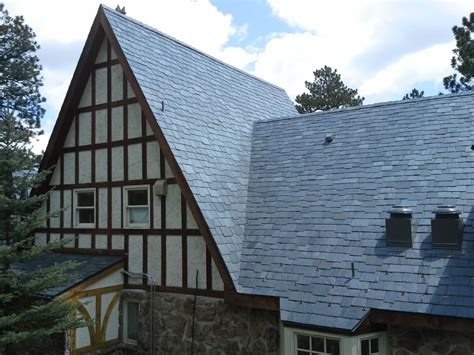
{"x": 414, "y": 94}
{"x": 25, "y": 315}
{"x": 327, "y": 92}
{"x": 463, "y": 59}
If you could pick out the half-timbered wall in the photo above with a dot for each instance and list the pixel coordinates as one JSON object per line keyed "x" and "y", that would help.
{"x": 109, "y": 147}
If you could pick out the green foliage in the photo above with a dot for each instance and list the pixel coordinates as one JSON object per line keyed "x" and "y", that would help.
{"x": 463, "y": 59}
{"x": 25, "y": 315}
{"x": 327, "y": 92}
{"x": 414, "y": 94}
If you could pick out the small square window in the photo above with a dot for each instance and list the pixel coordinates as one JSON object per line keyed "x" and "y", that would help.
{"x": 316, "y": 345}
{"x": 85, "y": 208}
{"x": 369, "y": 346}
{"x": 137, "y": 207}
{"x": 130, "y": 325}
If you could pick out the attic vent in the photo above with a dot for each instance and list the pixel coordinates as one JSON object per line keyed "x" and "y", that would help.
{"x": 398, "y": 227}
{"x": 447, "y": 228}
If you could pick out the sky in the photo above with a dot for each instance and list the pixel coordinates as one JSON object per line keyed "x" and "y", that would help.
{"x": 382, "y": 48}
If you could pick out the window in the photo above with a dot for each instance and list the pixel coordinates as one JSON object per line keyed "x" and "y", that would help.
{"x": 130, "y": 324}
{"x": 316, "y": 345}
{"x": 137, "y": 206}
{"x": 370, "y": 346}
{"x": 85, "y": 208}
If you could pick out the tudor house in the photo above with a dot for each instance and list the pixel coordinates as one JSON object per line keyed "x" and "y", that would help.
{"x": 211, "y": 218}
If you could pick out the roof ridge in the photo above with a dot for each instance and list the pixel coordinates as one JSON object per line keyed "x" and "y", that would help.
{"x": 369, "y": 106}
{"x": 160, "y": 33}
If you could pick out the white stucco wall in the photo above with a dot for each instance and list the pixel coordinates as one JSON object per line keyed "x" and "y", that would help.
{"x": 153, "y": 160}
{"x": 134, "y": 121}
{"x": 101, "y": 165}
{"x": 112, "y": 331}
{"x": 101, "y": 86}
{"x": 101, "y": 241}
{"x": 154, "y": 257}
{"x": 196, "y": 261}
{"x": 85, "y": 167}
{"x": 101, "y": 126}
{"x": 85, "y": 128}
{"x": 173, "y": 207}
{"x": 40, "y": 239}
{"x": 117, "y": 82}
{"x": 117, "y": 124}
{"x": 135, "y": 162}
{"x": 116, "y": 212}
{"x": 67, "y": 209}
{"x": 135, "y": 256}
{"x": 69, "y": 240}
{"x": 118, "y": 241}
{"x": 55, "y": 206}
{"x": 84, "y": 240}
{"x": 102, "y": 199}
{"x": 102, "y": 55}
{"x": 71, "y": 135}
{"x": 117, "y": 163}
{"x": 173, "y": 261}
{"x": 69, "y": 168}
{"x": 82, "y": 334}
{"x": 56, "y": 175}
{"x": 217, "y": 283}
{"x": 86, "y": 95}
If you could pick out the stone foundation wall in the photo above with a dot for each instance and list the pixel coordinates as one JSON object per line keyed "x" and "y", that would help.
{"x": 411, "y": 341}
{"x": 219, "y": 328}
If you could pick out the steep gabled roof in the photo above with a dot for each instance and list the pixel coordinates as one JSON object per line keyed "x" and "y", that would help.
{"x": 209, "y": 110}
{"x": 315, "y": 208}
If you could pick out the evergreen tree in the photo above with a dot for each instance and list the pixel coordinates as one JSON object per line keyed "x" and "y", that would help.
{"x": 327, "y": 92}
{"x": 414, "y": 94}
{"x": 25, "y": 316}
{"x": 463, "y": 59}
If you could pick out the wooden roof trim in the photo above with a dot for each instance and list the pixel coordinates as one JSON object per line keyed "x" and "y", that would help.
{"x": 181, "y": 180}
{"x": 421, "y": 320}
{"x": 73, "y": 96}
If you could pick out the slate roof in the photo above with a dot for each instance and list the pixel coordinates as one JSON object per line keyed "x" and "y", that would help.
{"x": 315, "y": 208}
{"x": 90, "y": 265}
{"x": 209, "y": 111}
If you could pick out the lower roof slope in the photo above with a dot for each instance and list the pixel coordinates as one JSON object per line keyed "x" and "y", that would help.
{"x": 209, "y": 111}
{"x": 315, "y": 208}
{"x": 89, "y": 265}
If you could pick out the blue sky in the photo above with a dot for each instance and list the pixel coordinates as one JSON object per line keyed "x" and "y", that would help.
{"x": 382, "y": 48}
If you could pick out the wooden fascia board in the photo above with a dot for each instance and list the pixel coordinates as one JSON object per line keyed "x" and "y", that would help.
{"x": 268, "y": 303}
{"x": 73, "y": 96}
{"x": 78, "y": 287}
{"x": 175, "y": 168}
{"x": 420, "y": 320}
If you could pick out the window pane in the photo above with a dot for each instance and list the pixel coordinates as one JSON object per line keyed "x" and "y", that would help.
{"x": 86, "y": 215}
{"x": 137, "y": 197}
{"x": 138, "y": 215}
{"x": 364, "y": 344}
{"x": 374, "y": 346}
{"x": 85, "y": 199}
{"x": 332, "y": 346}
{"x": 302, "y": 341}
{"x": 317, "y": 344}
{"x": 132, "y": 320}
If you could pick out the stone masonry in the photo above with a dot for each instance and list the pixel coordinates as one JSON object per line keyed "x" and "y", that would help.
{"x": 411, "y": 341}
{"x": 219, "y": 328}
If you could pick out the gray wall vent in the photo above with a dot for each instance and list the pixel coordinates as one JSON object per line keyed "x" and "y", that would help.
{"x": 447, "y": 228}
{"x": 398, "y": 227}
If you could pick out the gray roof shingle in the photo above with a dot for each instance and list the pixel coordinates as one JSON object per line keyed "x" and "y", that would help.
{"x": 90, "y": 265}
{"x": 315, "y": 208}
{"x": 210, "y": 109}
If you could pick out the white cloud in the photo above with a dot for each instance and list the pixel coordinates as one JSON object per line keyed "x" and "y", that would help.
{"x": 401, "y": 76}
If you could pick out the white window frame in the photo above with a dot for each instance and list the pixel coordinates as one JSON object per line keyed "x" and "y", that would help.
{"x": 126, "y": 301}
{"x": 126, "y": 222}
{"x": 349, "y": 345}
{"x": 76, "y": 208}
{"x": 324, "y": 337}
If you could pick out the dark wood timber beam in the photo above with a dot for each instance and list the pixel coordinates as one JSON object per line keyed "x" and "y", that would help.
{"x": 418, "y": 320}
{"x": 268, "y": 303}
